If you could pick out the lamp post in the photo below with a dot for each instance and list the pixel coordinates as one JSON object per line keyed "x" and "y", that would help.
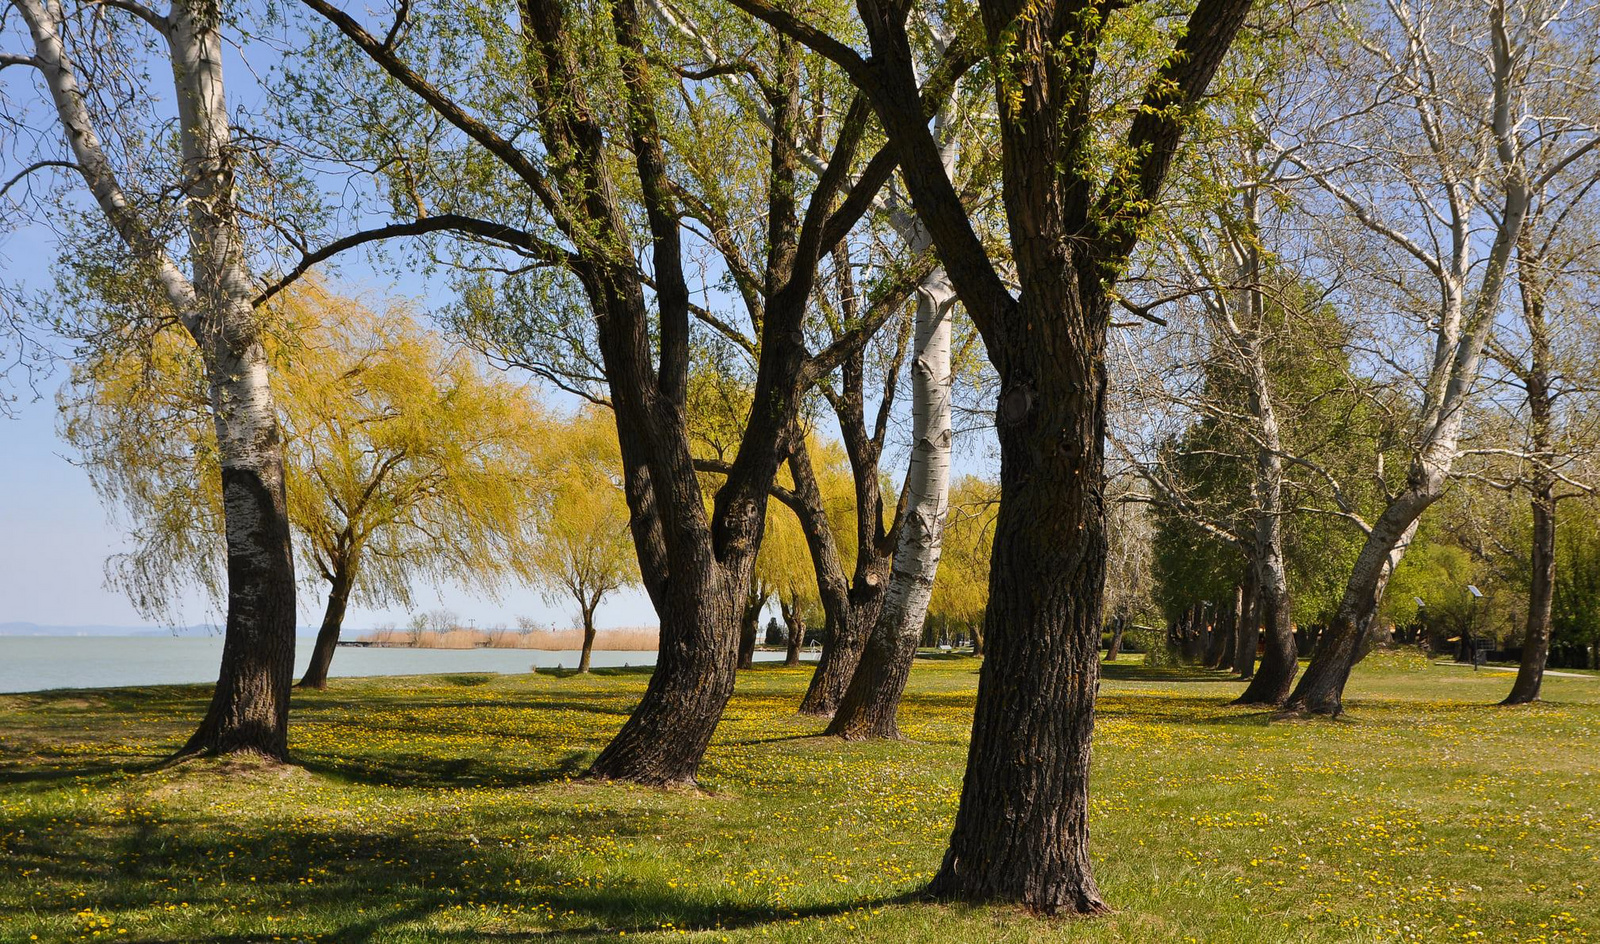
{"x": 1472, "y": 619}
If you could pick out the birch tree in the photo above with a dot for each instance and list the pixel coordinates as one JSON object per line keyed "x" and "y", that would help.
{"x": 176, "y": 232}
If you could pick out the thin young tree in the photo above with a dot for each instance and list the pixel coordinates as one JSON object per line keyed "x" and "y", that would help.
{"x": 582, "y": 550}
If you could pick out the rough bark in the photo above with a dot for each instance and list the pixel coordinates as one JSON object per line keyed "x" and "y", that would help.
{"x": 1021, "y": 829}
{"x": 750, "y": 627}
{"x": 794, "y": 618}
{"x": 846, "y": 603}
{"x": 316, "y": 674}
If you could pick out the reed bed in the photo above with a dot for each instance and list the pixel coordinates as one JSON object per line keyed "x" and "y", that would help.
{"x": 619, "y": 639}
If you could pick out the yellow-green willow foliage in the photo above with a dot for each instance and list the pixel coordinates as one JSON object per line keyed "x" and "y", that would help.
{"x": 406, "y": 462}
{"x": 961, "y": 594}
{"x": 584, "y": 550}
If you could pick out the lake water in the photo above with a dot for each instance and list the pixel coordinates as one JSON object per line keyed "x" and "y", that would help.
{"x": 37, "y": 663}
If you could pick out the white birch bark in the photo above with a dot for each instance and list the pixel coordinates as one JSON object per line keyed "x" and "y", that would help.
{"x": 214, "y": 303}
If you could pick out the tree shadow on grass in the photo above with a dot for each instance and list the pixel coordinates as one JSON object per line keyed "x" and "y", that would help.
{"x": 1122, "y": 672}
{"x": 419, "y": 770}
{"x": 364, "y": 883}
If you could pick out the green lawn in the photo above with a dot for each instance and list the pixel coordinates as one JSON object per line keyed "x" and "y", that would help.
{"x": 441, "y": 809}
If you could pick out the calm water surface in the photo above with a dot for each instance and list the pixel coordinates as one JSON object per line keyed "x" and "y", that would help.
{"x": 36, "y": 663}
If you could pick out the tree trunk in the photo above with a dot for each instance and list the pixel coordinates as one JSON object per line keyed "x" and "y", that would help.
{"x": 588, "y": 639}
{"x": 842, "y": 653}
{"x": 666, "y": 736}
{"x": 870, "y": 703}
{"x": 332, "y": 621}
{"x": 1230, "y": 642}
{"x": 1536, "y": 634}
{"x": 1248, "y": 638}
{"x": 796, "y": 622}
{"x": 1021, "y": 831}
{"x": 1270, "y": 686}
{"x": 1115, "y": 649}
{"x": 249, "y": 711}
{"x": 1279, "y": 665}
{"x": 1541, "y": 590}
{"x": 1321, "y": 688}
{"x": 750, "y": 627}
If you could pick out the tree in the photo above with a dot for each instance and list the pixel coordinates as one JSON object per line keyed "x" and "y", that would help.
{"x": 876, "y": 622}
{"x": 868, "y": 706}
{"x": 1460, "y": 158}
{"x": 585, "y": 84}
{"x": 1552, "y": 460}
{"x": 1021, "y": 831}
{"x": 170, "y": 238}
{"x": 583, "y": 551}
{"x": 405, "y": 462}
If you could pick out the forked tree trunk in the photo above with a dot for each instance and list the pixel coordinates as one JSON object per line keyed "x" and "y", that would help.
{"x": 841, "y": 654}
{"x": 316, "y": 675}
{"x": 870, "y": 704}
{"x": 1450, "y": 382}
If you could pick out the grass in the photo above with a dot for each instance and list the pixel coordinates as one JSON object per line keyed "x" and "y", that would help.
{"x": 443, "y": 808}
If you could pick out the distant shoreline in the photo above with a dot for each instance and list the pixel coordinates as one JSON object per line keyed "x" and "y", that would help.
{"x": 600, "y": 645}
{"x": 624, "y": 639}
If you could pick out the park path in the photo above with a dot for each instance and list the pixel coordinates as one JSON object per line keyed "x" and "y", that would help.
{"x": 1501, "y": 668}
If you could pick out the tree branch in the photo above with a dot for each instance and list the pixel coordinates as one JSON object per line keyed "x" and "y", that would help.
{"x": 453, "y": 222}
